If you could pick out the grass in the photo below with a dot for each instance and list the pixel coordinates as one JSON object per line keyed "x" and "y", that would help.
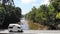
{"x": 36, "y": 26}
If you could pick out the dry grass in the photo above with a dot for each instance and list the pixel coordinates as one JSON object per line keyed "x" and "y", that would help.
{"x": 36, "y": 26}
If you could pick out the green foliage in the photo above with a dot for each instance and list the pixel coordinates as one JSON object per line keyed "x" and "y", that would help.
{"x": 2, "y": 14}
{"x": 18, "y": 12}
{"x": 46, "y": 15}
{"x": 58, "y": 15}
{"x": 12, "y": 15}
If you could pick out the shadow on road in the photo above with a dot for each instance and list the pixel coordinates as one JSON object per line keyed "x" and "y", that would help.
{"x": 2, "y": 29}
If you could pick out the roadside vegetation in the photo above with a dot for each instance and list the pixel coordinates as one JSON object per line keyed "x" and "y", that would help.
{"x": 37, "y": 26}
{"x": 10, "y": 15}
{"x": 46, "y": 15}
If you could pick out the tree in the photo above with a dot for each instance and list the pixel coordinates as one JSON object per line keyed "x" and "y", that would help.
{"x": 12, "y": 15}
{"x": 41, "y": 14}
{"x": 46, "y": 15}
{"x": 18, "y": 12}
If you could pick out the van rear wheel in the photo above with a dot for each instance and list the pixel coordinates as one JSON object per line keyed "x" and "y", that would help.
{"x": 20, "y": 31}
{"x": 10, "y": 31}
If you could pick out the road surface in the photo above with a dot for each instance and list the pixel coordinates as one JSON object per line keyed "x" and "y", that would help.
{"x": 24, "y": 24}
{"x": 33, "y": 32}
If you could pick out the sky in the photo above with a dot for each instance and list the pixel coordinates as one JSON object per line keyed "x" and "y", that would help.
{"x": 26, "y": 5}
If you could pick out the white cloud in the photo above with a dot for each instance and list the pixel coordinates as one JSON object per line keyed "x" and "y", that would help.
{"x": 27, "y": 1}
{"x": 36, "y": 4}
{"x": 33, "y": 4}
{"x": 46, "y": 2}
{"x": 33, "y": 1}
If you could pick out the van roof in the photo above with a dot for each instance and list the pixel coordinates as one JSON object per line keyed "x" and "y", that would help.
{"x": 14, "y": 24}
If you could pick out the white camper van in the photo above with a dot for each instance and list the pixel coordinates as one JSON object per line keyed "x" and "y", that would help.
{"x": 15, "y": 28}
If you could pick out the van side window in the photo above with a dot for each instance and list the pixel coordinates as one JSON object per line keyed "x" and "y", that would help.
{"x": 10, "y": 27}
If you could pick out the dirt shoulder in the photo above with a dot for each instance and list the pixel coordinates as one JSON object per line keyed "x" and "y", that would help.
{"x": 37, "y": 26}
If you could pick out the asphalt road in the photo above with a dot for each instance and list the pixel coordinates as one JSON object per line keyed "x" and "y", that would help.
{"x": 24, "y": 24}
{"x": 32, "y": 32}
